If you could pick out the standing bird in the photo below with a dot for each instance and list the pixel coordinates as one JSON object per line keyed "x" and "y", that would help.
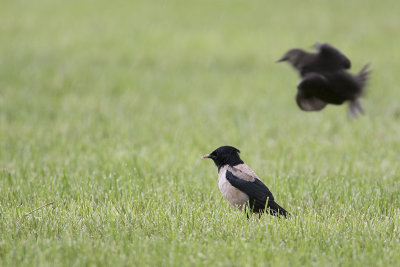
{"x": 240, "y": 185}
{"x": 325, "y": 79}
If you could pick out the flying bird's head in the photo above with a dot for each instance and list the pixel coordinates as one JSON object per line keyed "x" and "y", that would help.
{"x": 293, "y": 56}
{"x": 225, "y": 155}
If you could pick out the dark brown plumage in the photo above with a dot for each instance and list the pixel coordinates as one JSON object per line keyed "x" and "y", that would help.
{"x": 325, "y": 79}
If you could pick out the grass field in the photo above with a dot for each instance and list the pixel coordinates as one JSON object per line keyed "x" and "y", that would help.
{"x": 106, "y": 108}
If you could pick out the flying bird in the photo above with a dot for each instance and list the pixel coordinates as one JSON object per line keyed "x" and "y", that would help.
{"x": 325, "y": 79}
{"x": 240, "y": 185}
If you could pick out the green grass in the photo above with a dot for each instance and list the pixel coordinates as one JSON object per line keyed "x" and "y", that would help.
{"x": 107, "y": 106}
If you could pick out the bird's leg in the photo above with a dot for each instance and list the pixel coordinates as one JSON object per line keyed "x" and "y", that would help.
{"x": 355, "y": 108}
{"x": 259, "y": 216}
{"x": 247, "y": 212}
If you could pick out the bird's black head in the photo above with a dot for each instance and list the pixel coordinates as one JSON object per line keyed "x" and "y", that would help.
{"x": 293, "y": 56}
{"x": 225, "y": 155}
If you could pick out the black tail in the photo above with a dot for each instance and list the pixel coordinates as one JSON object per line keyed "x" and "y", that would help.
{"x": 355, "y": 107}
{"x": 276, "y": 210}
{"x": 362, "y": 77}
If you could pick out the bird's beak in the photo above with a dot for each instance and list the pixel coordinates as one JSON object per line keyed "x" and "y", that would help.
{"x": 208, "y": 156}
{"x": 281, "y": 59}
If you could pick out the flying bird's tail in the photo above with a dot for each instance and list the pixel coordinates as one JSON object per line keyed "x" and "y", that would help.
{"x": 362, "y": 77}
{"x": 355, "y": 107}
{"x": 275, "y": 209}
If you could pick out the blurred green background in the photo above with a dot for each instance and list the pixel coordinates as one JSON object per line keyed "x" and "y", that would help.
{"x": 107, "y": 106}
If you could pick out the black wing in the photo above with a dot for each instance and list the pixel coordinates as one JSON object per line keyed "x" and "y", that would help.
{"x": 310, "y": 92}
{"x": 332, "y": 58}
{"x": 257, "y": 191}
